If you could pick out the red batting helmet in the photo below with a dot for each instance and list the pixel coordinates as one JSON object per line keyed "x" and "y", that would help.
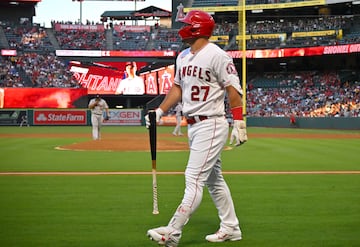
{"x": 200, "y": 24}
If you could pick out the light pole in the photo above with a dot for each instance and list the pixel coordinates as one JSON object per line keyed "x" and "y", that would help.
{"x": 80, "y": 10}
{"x": 80, "y": 1}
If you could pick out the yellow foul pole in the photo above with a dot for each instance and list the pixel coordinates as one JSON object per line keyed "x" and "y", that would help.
{"x": 242, "y": 47}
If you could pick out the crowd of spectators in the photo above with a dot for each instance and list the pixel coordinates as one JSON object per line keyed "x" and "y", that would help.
{"x": 41, "y": 70}
{"x": 288, "y": 25}
{"x": 125, "y": 40}
{"x": 34, "y": 37}
{"x": 47, "y": 70}
{"x": 81, "y": 40}
{"x": 166, "y": 39}
{"x": 87, "y": 22}
{"x": 303, "y": 94}
{"x": 9, "y": 75}
{"x": 308, "y": 24}
{"x": 26, "y": 37}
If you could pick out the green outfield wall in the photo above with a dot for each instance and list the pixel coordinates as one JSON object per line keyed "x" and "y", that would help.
{"x": 306, "y": 122}
{"x": 60, "y": 117}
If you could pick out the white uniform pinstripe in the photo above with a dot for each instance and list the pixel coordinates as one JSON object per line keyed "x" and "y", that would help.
{"x": 203, "y": 77}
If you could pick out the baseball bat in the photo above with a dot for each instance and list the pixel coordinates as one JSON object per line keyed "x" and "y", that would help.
{"x": 152, "y": 135}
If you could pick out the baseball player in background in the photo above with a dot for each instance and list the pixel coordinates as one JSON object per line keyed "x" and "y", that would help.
{"x": 178, "y": 115}
{"x": 97, "y": 106}
{"x": 204, "y": 74}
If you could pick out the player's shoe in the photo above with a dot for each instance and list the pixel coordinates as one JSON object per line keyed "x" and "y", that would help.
{"x": 222, "y": 236}
{"x": 165, "y": 236}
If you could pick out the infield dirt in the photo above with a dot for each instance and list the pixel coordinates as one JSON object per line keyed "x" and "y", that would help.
{"x": 165, "y": 142}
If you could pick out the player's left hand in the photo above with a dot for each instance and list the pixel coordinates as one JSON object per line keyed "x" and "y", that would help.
{"x": 238, "y": 133}
{"x": 158, "y": 112}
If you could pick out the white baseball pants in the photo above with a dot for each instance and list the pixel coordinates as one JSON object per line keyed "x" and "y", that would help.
{"x": 96, "y": 122}
{"x": 206, "y": 140}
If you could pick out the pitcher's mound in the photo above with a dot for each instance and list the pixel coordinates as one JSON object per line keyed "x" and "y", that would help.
{"x": 129, "y": 142}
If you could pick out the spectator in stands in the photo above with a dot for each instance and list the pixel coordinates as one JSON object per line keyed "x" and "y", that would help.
{"x": 292, "y": 119}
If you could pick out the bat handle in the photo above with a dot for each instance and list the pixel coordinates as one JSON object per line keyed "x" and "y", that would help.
{"x": 155, "y": 196}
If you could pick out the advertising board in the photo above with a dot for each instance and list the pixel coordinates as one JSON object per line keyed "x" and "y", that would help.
{"x": 60, "y": 117}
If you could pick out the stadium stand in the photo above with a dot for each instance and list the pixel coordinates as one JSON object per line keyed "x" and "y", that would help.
{"x": 130, "y": 40}
{"x": 9, "y": 75}
{"x": 81, "y": 40}
{"x": 334, "y": 91}
{"x": 27, "y": 37}
{"x": 47, "y": 71}
{"x": 166, "y": 39}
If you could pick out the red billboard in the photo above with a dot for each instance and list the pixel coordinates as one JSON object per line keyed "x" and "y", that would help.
{"x": 40, "y": 97}
{"x": 261, "y": 53}
{"x": 109, "y": 53}
{"x": 122, "y": 78}
{"x": 165, "y": 79}
{"x": 88, "y": 28}
{"x": 298, "y": 52}
{"x": 60, "y": 117}
{"x": 151, "y": 85}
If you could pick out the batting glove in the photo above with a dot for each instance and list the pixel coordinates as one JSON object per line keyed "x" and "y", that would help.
{"x": 158, "y": 112}
{"x": 238, "y": 133}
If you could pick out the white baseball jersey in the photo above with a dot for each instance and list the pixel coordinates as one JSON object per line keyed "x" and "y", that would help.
{"x": 203, "y": 77}
{"x": 101, "y": 106}
{"x": 131, "y": 86}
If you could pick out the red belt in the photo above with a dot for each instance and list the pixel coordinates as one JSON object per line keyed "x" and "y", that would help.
{"x": 196, "y": 119}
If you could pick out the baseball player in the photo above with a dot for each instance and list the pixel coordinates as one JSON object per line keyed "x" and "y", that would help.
{"x": 97, "y": 106}
{"x": 178, "y": 115}
{"x": 132, "y": 84}
{"x": 204, "y": 74}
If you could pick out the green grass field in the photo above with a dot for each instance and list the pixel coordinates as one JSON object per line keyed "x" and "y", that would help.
{"x": 115, "y": 210}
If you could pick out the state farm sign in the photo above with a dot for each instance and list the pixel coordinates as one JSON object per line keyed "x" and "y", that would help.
{"x": 63, "y": 117}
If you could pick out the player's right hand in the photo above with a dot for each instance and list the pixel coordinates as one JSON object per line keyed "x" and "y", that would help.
{"x": 238, "y": 133}
{"x": 158, "y": 112}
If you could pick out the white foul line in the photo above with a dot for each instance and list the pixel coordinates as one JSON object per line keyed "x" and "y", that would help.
{"x": 171, "y": 173}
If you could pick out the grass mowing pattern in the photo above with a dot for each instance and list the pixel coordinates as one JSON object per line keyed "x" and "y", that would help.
{"x": 93, "y": 211}
{"x": 274, "y": 210}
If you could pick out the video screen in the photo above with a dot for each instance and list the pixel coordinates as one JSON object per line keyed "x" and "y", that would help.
{"x": 43, "y": 97}
{"x": 122, "y": 78}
